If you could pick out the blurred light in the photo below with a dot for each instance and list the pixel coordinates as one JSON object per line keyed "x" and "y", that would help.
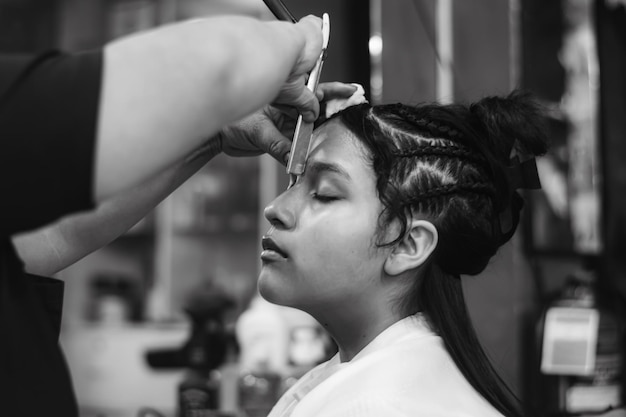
{"x": 376, "y": 45}
{"x": 376, "y": 90}
{"x": 376, "y": 83}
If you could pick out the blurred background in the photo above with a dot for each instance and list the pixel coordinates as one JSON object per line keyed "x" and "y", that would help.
{"x": 131, "y": 308}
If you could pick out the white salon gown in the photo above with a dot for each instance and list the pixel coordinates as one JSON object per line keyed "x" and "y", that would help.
{"x": 405, "y": 371}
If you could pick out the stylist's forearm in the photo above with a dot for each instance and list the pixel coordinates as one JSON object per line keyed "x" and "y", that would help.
{"x": 165, "y": 91}
{"x": 50, "y": 249}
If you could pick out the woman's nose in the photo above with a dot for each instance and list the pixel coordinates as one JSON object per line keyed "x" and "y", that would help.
{"x": 279, "y": 213}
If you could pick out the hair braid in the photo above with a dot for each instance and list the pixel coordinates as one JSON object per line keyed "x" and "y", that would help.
{"x": 454, "y": 188}
{"x": 451, "y": 150}
{"x": 434, "y": 128}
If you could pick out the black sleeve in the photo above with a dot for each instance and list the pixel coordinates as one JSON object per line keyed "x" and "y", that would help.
{"x": 48, "y": 120}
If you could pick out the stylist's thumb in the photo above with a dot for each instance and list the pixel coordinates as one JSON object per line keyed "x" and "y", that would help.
{"x": 278, "y": 147}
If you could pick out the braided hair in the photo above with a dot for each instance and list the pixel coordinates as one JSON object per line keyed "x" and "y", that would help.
{"x": 448, "y": 164}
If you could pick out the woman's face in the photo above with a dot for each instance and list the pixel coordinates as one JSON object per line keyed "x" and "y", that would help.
{"x": 320, "y": 252}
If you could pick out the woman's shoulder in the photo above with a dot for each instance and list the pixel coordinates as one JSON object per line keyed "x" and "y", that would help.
{"x": 409, "y": 375}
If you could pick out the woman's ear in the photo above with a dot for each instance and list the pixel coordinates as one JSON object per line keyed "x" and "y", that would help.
{"x": 414, "y": 249}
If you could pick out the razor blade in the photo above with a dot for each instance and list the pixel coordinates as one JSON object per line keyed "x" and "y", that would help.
{"x": 304, "y": 130}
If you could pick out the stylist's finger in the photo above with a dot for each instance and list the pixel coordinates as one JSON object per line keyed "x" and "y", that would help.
{"x": 295, "y": 94}
{"x": 289, "y": 111}
{"x": 256, "y": 134}
{"x": 311, "y": 28}
{"x": 334, "y": 90}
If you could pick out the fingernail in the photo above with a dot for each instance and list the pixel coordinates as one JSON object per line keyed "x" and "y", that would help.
{"x": 286, "y": 157}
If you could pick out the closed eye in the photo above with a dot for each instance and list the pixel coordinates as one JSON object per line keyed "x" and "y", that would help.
{"x": 324, "y": 198}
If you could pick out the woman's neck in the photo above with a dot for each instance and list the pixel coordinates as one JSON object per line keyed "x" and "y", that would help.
{"x": 354, "y": 328}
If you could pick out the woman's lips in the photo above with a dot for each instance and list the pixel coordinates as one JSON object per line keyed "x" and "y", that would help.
{"x": 271, "y": 251}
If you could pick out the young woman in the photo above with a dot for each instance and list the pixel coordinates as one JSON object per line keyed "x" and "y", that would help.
{"x": 397, "y": 202}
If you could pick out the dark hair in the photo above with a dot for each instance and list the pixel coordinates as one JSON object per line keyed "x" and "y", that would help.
{"x": 449, "y": 164}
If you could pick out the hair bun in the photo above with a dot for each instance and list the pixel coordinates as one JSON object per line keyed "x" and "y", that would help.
{"x": 514, "y": 125}
{"x": 512, "y": 122}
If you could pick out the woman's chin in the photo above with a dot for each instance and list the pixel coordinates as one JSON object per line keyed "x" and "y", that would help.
{"x": 267, "y": 289}
{"x": 271, "y": 290}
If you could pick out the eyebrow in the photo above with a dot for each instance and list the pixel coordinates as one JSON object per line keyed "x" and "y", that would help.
{"x": 318, "y": 167}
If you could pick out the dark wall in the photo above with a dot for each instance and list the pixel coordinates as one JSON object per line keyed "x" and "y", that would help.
{"x": 611, "y": 32}
{"x": 482, "y": 49}
{"x": 348, "y": 54}
{"x": 27, "y": 25}
{"x": 542, "y": 32}
{"x": 409, "y": 60}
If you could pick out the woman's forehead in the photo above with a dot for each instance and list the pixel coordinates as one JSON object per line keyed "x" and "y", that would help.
{"x": 334, "y": 134}
{"x": 333, "y": 143}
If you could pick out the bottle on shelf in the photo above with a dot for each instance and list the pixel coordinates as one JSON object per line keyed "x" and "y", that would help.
{"x": 202, "y": 355}
{"x": 579, "y": 351}
{"x": 262, "y": 335}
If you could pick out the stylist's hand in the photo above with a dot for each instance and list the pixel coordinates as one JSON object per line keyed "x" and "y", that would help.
{"x": 294, "y": 92}
{"x": 269, "y": 130}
